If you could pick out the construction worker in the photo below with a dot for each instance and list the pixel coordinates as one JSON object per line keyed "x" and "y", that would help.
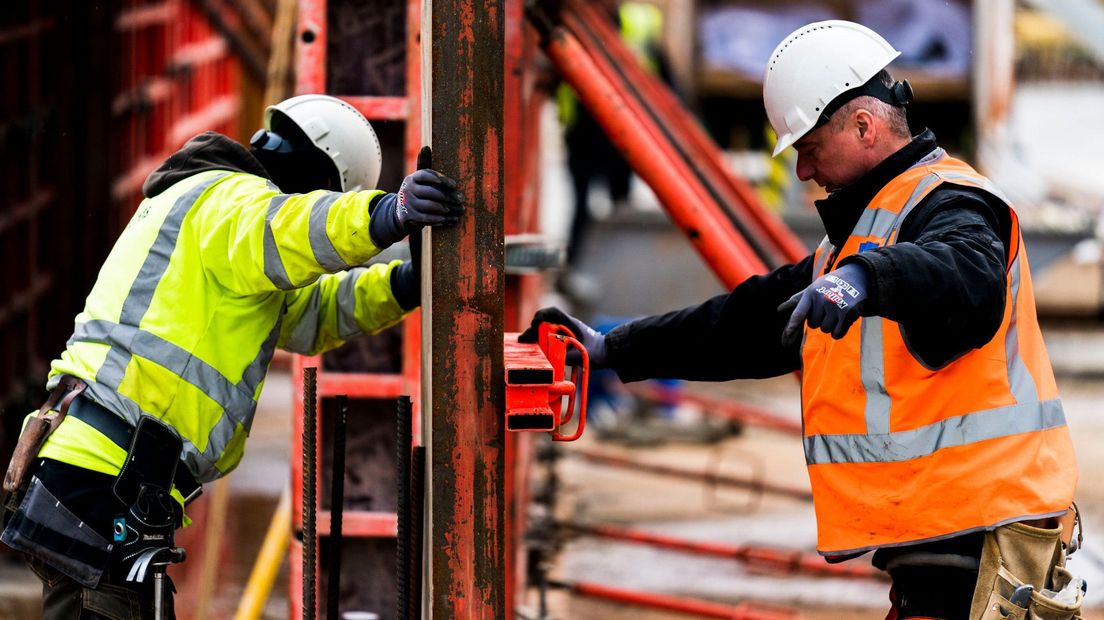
{"x": 933, "y": 430}
{"x": 234, "y": 252}
{"x": 590, "y": 154}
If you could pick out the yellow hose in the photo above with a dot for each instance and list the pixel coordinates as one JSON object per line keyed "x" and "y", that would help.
{"x": 272, "y": 555}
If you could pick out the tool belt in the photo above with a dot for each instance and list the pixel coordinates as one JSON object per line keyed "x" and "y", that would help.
{"x": 1022, "y": 572}
{"x": 42, "y": 527}
{"x": 67, "y": 399}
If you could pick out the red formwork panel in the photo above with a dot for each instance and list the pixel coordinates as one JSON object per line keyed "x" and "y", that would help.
{"x": 95, "y": 95}
{"x": 358, "y": 62}
{"x": 175, "y": 77}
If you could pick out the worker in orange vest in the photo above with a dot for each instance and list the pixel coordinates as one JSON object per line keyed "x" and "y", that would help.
{"x": 933, "y": 431}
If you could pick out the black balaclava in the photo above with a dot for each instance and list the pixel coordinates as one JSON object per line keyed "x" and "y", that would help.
{"x": 294, "y": 163}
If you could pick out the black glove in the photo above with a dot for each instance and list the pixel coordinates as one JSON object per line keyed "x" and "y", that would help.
{"x": 426, "y": 198}
{"x": 593, "y": 341}
{"x": 406, "y": 279}
{"x": 832, "y": 303}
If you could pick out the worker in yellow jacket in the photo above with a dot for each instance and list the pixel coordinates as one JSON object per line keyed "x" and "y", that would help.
{"x": 234, "y": 253}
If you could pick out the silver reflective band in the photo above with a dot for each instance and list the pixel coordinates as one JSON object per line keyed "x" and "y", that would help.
{"x": 823, "y": 252}
{"x": 346, "y": 304}
{"x": 1020, "y": 380}
{"x": 273, "y": 264}
{"x": 872, "y": 369}
{"x": 874, "y": 223}
{"x": 324, "y": 252}
{"x": 956, "y": 431}
{"x": 302, "y": 336}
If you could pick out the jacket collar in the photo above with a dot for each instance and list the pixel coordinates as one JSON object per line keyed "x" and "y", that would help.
{"x": 841, "y": 210}
{"x": 207, "y": 151}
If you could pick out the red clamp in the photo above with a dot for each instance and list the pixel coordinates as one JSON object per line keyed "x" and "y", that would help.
{"x": 535, "y": 384}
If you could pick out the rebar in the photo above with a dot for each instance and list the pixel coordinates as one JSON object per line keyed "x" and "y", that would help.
{"x": 310, "y": 482}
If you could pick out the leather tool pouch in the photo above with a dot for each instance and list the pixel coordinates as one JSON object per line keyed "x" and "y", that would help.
{"x": 43, "y": 528}
{"x": 38, "y": 428}
{"x": 1023, "y": 576}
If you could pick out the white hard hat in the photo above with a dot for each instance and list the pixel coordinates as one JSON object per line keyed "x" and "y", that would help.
{"x": 812, "y": 66}
{"x": 340, "y": 131}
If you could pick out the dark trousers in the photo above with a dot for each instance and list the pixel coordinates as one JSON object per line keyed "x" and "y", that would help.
{"x": 932, "y": 592}
{"x": 114, "y": 599}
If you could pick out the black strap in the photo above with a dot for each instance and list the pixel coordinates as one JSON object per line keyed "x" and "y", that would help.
{"x": 119, "y": 432}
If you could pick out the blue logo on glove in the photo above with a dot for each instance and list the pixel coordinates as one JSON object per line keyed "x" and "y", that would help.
{"x": 867, "y": 245}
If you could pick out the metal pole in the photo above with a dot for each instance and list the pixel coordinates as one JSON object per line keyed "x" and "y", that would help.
{"x": 402, "y": 480}
{"x": 693, "y": 607}
{"x": 784, "y": 560}
{"x": 310, "y": 486}
{"x": 463, "y": 313}
{"x": 337, "y": 508}
{"x": 614, "y": 460}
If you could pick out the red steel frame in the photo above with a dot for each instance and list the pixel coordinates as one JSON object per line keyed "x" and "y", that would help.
{"x": 521, "y": 163}
{"x": 311, "y": 78}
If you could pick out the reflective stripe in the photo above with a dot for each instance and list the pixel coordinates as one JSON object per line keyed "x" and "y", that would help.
{"x": 273, "y": 264}
{"x": 157, "y": 261}
{"x": 918, "y": 194}
{"x": 872, "y": 367}
{"x": 823, "y": 251}
{"x": 236, "y": 400}
{"x": 347, "y": 326}
{"x": 981, "y": 183}
{"x": 302, "y": 336}
{"x": 145, "y": 284}
{"x": 1020, "y": 381}
{"x": 875, "y": 223}
{"x": 936, "y": 154}
{"x": 324, "y": 252}
{"x": 956, "y": 431}
{"x": 174, "y": 358}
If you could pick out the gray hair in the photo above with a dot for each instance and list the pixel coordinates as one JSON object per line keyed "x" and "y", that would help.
{"x": 893, "y": 116}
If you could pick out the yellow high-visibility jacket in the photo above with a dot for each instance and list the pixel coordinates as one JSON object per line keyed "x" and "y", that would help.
{"x": 216, "y": 270}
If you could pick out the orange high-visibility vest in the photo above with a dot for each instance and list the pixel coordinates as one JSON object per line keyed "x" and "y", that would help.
{"x": 899, "y": 452}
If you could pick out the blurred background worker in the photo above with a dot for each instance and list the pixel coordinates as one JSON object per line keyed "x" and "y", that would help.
{"x": 590, "y": 154}
{"x": 234, "y": 253}
{"x": 933, "y": 431}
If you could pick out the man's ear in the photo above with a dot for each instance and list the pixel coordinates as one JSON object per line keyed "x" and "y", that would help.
{"x": 864, "y": 123}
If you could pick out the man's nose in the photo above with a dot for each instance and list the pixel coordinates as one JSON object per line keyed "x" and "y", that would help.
{"x": 805, "y": 170}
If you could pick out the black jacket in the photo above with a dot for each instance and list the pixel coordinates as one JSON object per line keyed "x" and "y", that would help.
{"x": 943, "y": 281}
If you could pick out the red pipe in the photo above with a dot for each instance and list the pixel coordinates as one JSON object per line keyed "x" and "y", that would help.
{"x": 694, "y": 607}
{"x": 605, "y": 458}
{"x": 718, "y": 407}
{"x": 701, "y": 149}
{"x": 788, "y": 561}
{"x": 714, "y": 237}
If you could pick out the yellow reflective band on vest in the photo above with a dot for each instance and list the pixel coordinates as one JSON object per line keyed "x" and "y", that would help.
{"x": 207, "y": 280}
{"x": 899, "y": 452}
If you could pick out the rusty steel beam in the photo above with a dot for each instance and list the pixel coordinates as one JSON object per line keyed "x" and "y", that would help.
{"x": 688, "y": 606}
{"x": 463, "y": 314}
{"x": 651, "y": 156}
{"x": 777, "y": 244}
{"x": 613, "y": 459}
{"x": 788, "y": 561}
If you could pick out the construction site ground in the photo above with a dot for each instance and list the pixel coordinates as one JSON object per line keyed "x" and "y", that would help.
{"x": 676, "y": 508}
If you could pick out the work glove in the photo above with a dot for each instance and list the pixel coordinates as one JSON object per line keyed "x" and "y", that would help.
{"x": 832, "y": 303}
{"x": 406, "y": 279}
{"x": 426, "y": 198}
{"x": 592, "y": 340}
